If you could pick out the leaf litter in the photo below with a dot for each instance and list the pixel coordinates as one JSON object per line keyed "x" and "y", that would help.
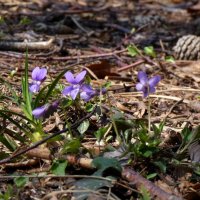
{"x": 95, "y": 36}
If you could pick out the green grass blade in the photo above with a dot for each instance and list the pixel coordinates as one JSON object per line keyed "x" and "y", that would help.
{"x": 39, "y": 96}
{"x": 7, "y": 143}
{"x": 53, "y": 84}
{"x": 14, "y": 135}
{"x": 25, "y": 90}
{"x": 16, "y": 124}
{"x": 19, "y": 115}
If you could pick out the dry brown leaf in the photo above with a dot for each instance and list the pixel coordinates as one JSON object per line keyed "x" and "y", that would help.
{"x": 103, "y": 68}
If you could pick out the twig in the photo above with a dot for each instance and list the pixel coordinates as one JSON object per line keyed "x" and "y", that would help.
{"x": 81, "y": 27}
{"x": 55, "y": 50}
{"x": 5, "y": 45}
{"x": 136, "y": 94}
{"x": 131, "y": 65}
{"x": 28, "y": 163}
{"x": 132, "y": 176}
{"x": 34, "y": 57}
{"x": 36, "y": 144}
{"x": 118, "y": 27}
{"x": 172, "y": 107}
{"x": 66, "y": 11}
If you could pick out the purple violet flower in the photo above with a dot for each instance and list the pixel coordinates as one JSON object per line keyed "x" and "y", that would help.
{"x": 76, "y": 84}
{"x": 88, "y": 92}
{"x": 146, "y": 85}
{"x": 38, "y": 76}
{"x": 46, "y": 110}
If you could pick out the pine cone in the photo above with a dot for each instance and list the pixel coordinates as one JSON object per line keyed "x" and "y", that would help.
{"x": 187, "y": 48}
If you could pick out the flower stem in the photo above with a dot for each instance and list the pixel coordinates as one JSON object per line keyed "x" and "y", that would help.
{"x": 149, "y": 114}
{"x": 149, "y": 111}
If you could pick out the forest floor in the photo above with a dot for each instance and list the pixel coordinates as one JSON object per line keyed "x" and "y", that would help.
{"x": 110, "y": 156}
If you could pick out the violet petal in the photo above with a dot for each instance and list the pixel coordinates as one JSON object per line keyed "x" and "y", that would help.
{"x": 152, "y": 89}
{"x": 40, "y": 111}
{"x": 142, "y": 77}
{"x": 74, "y": 93}
{"x": 87, "y": 88}
{"x": 35, "y": 72}
{"x": 85, "y": 96}
{"x": 67, "y": 90}
{"x": 70, "y": 77}
{"x": 139, "y": 87}
{"x": 80, "y": 76}
{"x": 34, "y": 87}
{"x": 39, "y": 74}
{"x": 154, "y": 81}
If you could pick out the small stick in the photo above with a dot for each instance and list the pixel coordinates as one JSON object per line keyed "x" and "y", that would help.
{"x": 22, "y": 46}
{"x": 132, "y": 176}
{"x": 81, "y": 27}
{"x": 34, "y": 57}
{"x": 131, "y": 65}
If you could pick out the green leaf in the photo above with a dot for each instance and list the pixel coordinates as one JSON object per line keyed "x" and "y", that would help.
{"x": 150, "y": 51}
{"x": 72, "y": 146}
{"x": 89, "y": 107}
{"x": 100, "y": 133}
{"x": 161, "y": 165}
{"x": 21, "y": 181}
{"x": 170, "y": 59}
{"x": 150, "y": 176}
{"x": 145, "y": 195}
{"x": 90, "y": 184}
{"x": 188, "y": 137}
{"x": 8, "y": 193}
{"x": 83, "y": 127}
{"x": 186, "y": 134}
{"x": 147, "y": 153}
{"x": 133, "y": 50}
{"x": 158, "y": 129}
{"x": 143, "y": 135}
{"x": 107, "y": 84}
{"x": 58, "y": 167}
{"x": 102, "y": 163}
{"x": 25, "y": 21}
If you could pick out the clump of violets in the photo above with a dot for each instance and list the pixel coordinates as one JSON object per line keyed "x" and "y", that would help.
{"x": 78, "y": 87}
{"x": 147, "y": 86}
{"x": 45, "y": 110}
{"x": 38, "y": 76}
